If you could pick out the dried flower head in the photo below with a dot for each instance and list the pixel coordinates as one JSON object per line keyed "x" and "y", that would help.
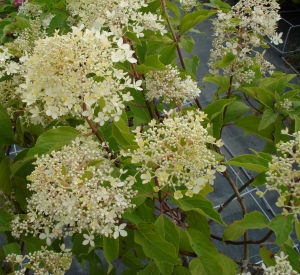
{"x": 75, "y": 189}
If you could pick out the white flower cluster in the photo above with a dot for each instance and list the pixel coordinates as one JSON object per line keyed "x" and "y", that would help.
{"x": 7, "y": 65}
{"x": 238, "y": 33}
{"x": 286, "y": 104}
{"x": 27, "y": 37}
{"x": 175, "y": 153}
{"x": 26, "y": 40}
{"x": 284, "y": 175}
{"x": 66, "y": 72}
{"x": 41, "y": 262}
{"x": 116, "y": 15}
{"x": 74, "y": 190}
{"x": 30, "y": 9}
{"x": 282, "y": 267}
{"x": 168, "y": 86}
{"x": 188, "y": 5}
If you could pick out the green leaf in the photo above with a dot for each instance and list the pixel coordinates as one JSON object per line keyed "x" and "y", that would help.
{"x": 293, "y": 256}
{"x": 201, "y": 243}
{"x": 268, "y": 118}
{"x": 152, "y": 7}
{"x": 7, "y": 134}
{"x": 260, "y": 179}
{"x": 174, "y": 8}
{"x": 12, "y": 248}
{"x": 207, "y": 265}
{"x": 278, "y": 82}
{"x": 222, "y": 81}
{"x": 5, "y": 184}
{"x": 187, "y": 43}
{"x": 219, "y": 4}
{"x": 198, "y": 221}
{"x": 228, "y": 265}
{"x": 168, "y": 54}
{"x": 184, "y": 243}
{"x": 144, "y": 191}
{"x": 22, "y": 23}
{"x": 164, "y": 267}
{"x": 250, "y": 162}
{"x": 250, "y": 125}
{"x": 253, "y": 220}
{"x": 22, "y": 166}
{"x": 122, "y": 134}
{"x": 167, "y": 231}
{"x": 297, "y": 124}
{"x": 227, "y": 59}
{"x": 233, "y": 231}
{"x": 235, "y": 110}
{"x": 110, "y": 248}
{"x": 22, "y": 193}
{"x": 282, "y": 226}
{"x": 150, "y": 269}
{"x": 132, "y": 217}
{"x": 132, "y": 37}
{"x": 261, "y": 94}
{"x": 180, "y": 270}
{"x": 267, "y": 256}
{"x": 191, "y": 64}
{"x": 141, "y": 51}
{"x": 264, "y": 155}
{"x": 143, "y": 213}
{"x": 131, "y": 260}
{"x": 59, "y": 21}
{"x": 153, "y": 245}
{"x": 201, "y": 205}
{"x": 53, "y": 139}
{"x": 152, "y": 62}
{"x": 297, "y": 229}
{"x": 78, "y": 248}
{"x": 217, "y": 107}
{"x": 33, "y": 244}
{"x": 140, "y": 115}
{"x": 95, "y": 264}
{"x": 5, "y": 220}
{"x": 192, "y": 19}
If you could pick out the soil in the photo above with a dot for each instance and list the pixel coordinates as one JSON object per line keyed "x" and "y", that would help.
{"x": 294, "y": 61}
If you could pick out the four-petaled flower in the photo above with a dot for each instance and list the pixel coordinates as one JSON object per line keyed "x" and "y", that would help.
{"x": 47, "y": 235}
{"x": 88, "y": 239}
{"x": 119, "y": 230}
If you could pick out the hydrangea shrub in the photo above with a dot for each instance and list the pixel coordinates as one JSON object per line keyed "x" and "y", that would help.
{"x": 114, "y": 163}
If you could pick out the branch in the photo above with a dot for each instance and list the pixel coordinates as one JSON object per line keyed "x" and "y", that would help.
{"x": 244, "y": 242}
{"x": 243, "y": 206}
{"x": 233, "y": 196}
{"x": 97, "y": 134}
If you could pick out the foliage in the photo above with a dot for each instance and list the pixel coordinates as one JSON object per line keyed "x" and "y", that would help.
{"x": 111, "y": 157}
